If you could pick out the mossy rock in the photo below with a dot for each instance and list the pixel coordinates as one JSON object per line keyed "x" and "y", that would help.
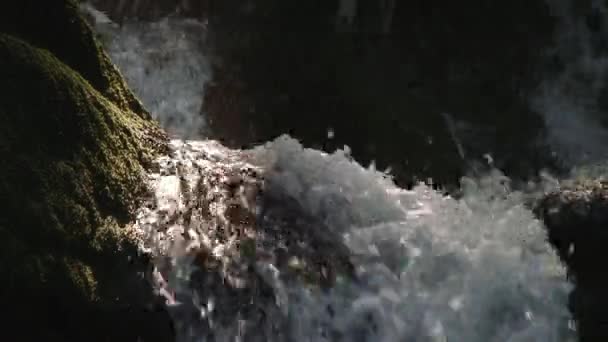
{"x": 56, "y": 25}
{"x": 73, "y": 150}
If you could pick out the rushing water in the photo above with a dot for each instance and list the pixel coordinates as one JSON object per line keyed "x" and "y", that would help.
{"x": 428, "y": 267}
{"x": 164, "y": 64}
{"x": 431, "y": 268}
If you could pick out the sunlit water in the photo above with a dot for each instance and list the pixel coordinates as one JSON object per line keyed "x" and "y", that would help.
{"x": 432, "y": 268}
{"x": 429, "y": 267}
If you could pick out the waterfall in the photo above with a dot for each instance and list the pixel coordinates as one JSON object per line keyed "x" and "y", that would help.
{"x": 286, "y": 243}
{"x": 165, "y": 65}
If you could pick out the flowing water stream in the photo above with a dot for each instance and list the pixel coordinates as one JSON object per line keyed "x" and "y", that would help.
{"x": 422, "y": 266}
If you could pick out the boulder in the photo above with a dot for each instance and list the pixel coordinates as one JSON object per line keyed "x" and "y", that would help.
{"x": 75, "y": 143}
{"x": 57, "y": 26}
{"x": 576, "y": 218}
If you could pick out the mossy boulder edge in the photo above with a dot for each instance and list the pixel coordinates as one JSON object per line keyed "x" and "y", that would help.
{"x": 74, "y": 145}
{"x": 57, "y": 26}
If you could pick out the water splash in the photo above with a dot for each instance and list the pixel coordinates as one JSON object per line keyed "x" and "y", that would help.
{"x": 430, "y": 268}
{"x": 451, "y": 125}
{"x": 427, "y": 267}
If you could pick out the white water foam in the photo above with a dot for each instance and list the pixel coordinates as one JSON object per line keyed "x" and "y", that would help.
{"x": 431, "y": 268}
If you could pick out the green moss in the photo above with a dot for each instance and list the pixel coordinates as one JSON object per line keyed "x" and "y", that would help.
{"x": 56, "y": 25}
{"x": 82, "y": 277}
{"x": 70, "y": 179}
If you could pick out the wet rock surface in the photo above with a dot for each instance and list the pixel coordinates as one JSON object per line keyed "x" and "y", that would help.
{"x": 576, "y": 217}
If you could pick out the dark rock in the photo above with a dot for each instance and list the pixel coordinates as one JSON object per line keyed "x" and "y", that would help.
{"x": 122, "y": 10}
{"x": 576, "y": 217}
{"x": 285, "y": 69}
{"x": 380, "y": 80}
